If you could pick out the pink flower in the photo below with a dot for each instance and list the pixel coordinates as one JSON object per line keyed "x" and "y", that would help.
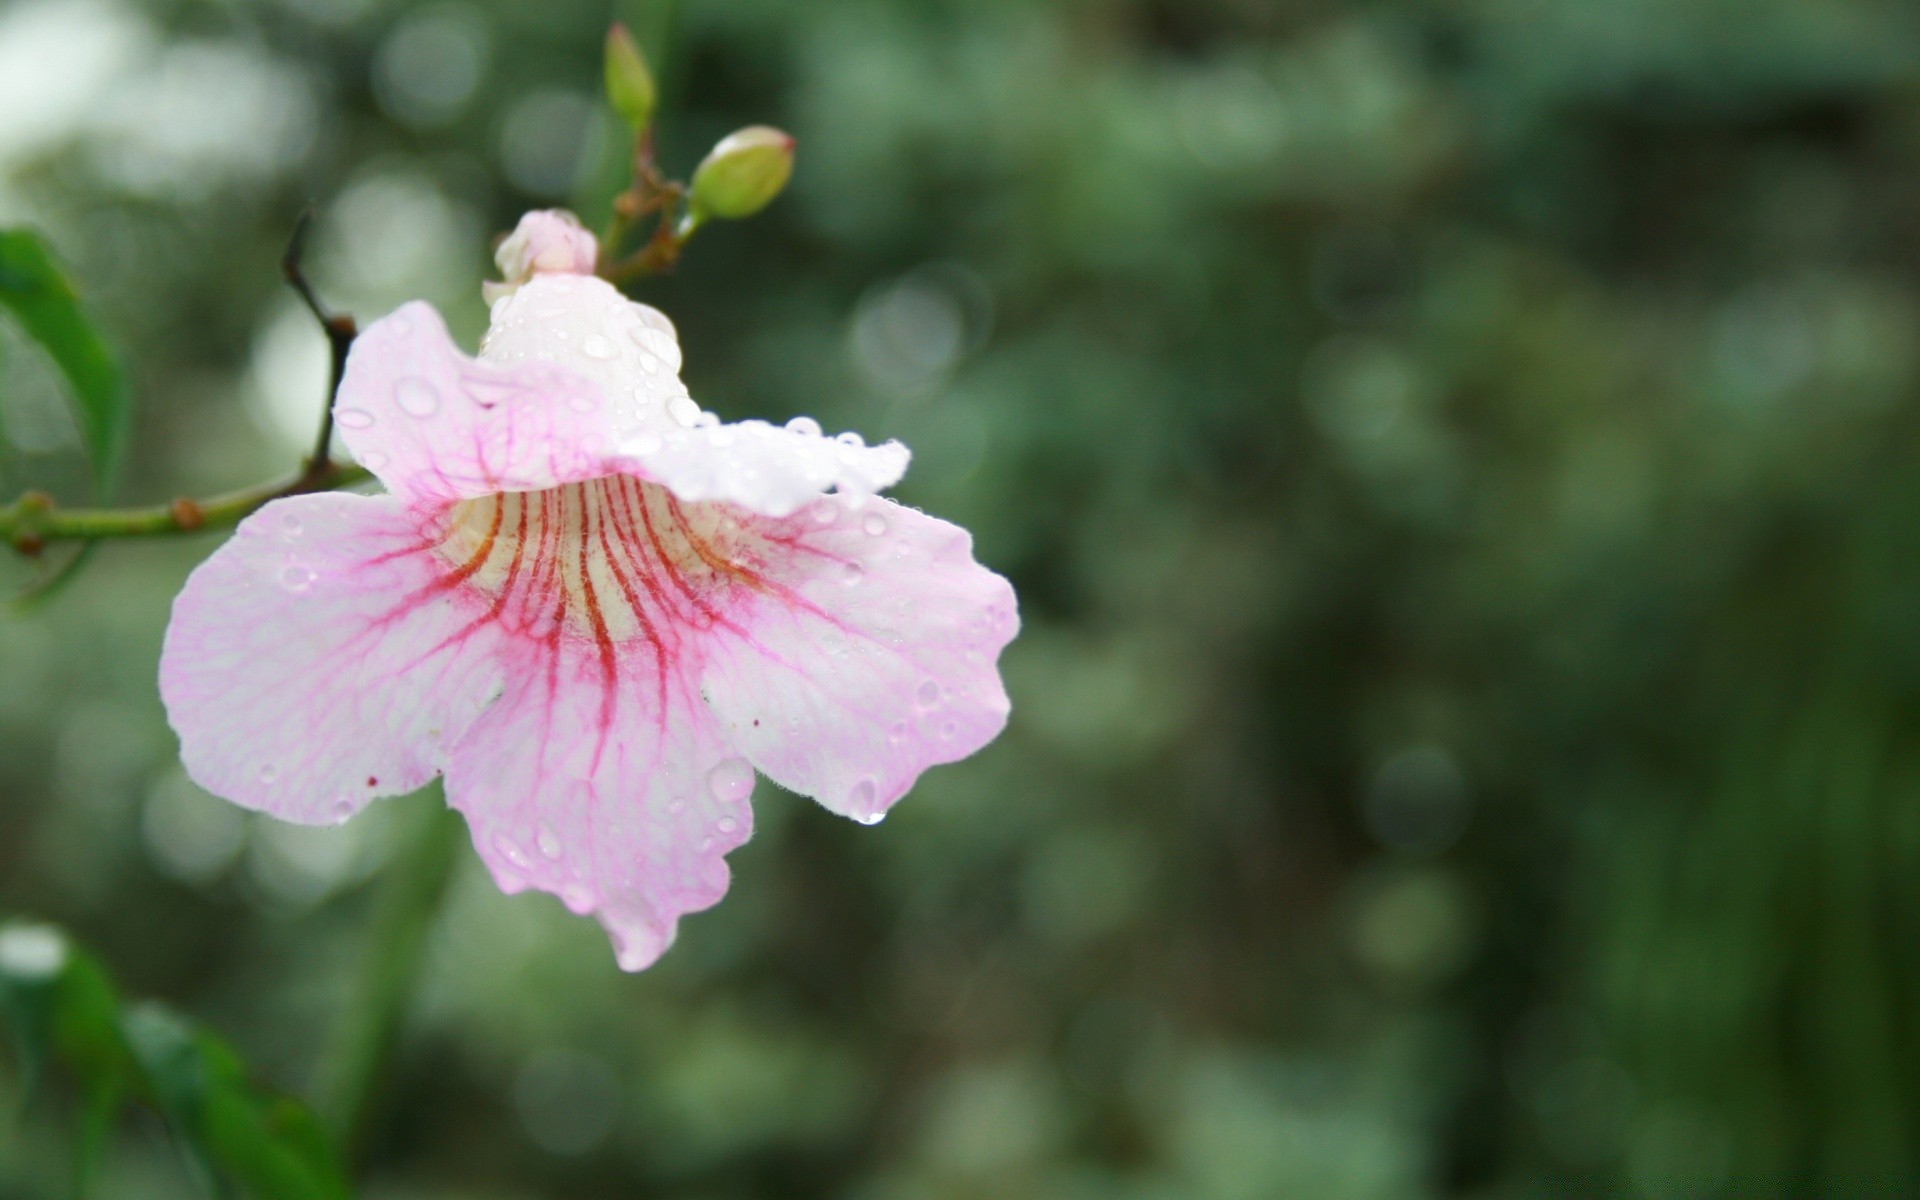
{"x": 590, "y": 606}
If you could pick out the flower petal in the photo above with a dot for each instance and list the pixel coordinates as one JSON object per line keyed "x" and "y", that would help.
{"x": 603, "y": 779}
{"x": 760, "y": 467}
{"x": 869, "y": 655}
{"x": 317, "y": 661}
{"x": 434, "y": 424}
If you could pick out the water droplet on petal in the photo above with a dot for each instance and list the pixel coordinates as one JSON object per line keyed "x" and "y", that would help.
{"x": 706, "y": 420}
{"x": 726, "y": 824}
{"x": 576, "y": 897}
{"x": 860, "y": 799}
{"x": 826, "y": 512}
{"x": 706, "y": 843}
{"x": 677, "y": 806}
{"x": 353, "y": 418}
{"x": 548, "y": 841}
{"x": 731, "y": 781}
{"x": 374, "y": 460}
{"x": 510, "y": 850}
{"x": 871, "y": 818}
{"x": 343, "y": 808}
{"x": 416, "y": 397}
{"x": 805, "y": 426}
{"x": 296, "y": 578}
{"x": 948, "y": 730}
{"x": 683, "y": 410}
{"x": 851, "y": 440}
{"x": 874, "y": 524}
{"x": 852, "y": 573}
{"x": 720, "y": 437}
{"x": 898, "y": 733}
{"x": 290, "y": 526}
{"x": 928, "y": 693}
{"x": 597, "y": 347}
{"x": 647, "y": 442}
{"x": 268, "y": 773}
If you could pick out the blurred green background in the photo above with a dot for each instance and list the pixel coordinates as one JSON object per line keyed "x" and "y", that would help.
{"x": 1457, "y": 463}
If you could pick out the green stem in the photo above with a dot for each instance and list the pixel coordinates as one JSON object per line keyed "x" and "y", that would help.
{"x": 410, "y": 891}
{"x": 34, "y": 520}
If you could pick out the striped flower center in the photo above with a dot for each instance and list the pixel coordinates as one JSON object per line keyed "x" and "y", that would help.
{"x": 612, "y": 560}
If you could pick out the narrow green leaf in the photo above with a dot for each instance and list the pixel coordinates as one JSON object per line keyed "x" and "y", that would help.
{"x": 236, "y": 1138}
{"x": 62, "y": 1008}
{"x": 269, "y": 1144}
{"x": 38, "y": 295}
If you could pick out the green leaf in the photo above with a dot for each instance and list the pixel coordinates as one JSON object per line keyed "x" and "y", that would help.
{"x": 236, "y": 1138}
{"x": 61, "y": 1008}
{"x": 35, "y": 290}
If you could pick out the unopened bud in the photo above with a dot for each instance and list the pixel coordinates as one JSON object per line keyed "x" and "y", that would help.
{"x": 743, "y": 174}
{"x": 546, "y": 242}
{"x": 630, "y": 86}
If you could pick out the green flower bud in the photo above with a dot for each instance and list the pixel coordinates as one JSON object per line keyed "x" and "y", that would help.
{"x": 630, "y": 87}
{"x": 742, "y": 174}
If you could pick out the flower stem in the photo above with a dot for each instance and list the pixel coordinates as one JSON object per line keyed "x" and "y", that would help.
{"x": 410, "y": 890}
{"x": 34, "y": 521}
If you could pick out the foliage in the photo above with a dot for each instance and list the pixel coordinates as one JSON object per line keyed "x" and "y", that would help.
{"x": 62, "y": 1009}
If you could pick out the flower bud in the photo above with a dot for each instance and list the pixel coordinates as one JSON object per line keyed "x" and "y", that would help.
{"x": 546, "y": 242}
{"x": 742, "y": 174}
{"x": 630, "y": 87}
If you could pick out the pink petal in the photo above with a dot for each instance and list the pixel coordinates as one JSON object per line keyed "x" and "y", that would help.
{"x": 319, "y": 659}
{"x": 602, "y": 778}
{"x": 867, "y": 655}
{"x": 434, "y": 424}
{"x": 762, "y": 467}
{"x": 571, "y": 369}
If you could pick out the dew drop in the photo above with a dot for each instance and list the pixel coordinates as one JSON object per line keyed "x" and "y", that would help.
{"x": 852, "y": 573}
{"x": 374, "y": 460}
{"x": 582, "y": 404}
{"x": 576, "y": 897}
{"x": 548, "y": 841}
{"x": 343, "y": 808}
{"x": 948, "y": 730}
{"x": 898, "y": 733}
{"x": 731, "y": 781}
{"x": 353, "y": 418}
{"x": 677, "y": 806}
{"x": 706, "y": 420}
{"x": 826, "y": 512}
{"x": 928, "y": 694}
{"x": 416, "y": 397}
{"x": 268, "y": 773}
{"x": 805, "y": 426}
{"x": 647, "y": 442}
{"x": 290, "y": 526}
{"x": 874, "y": 524}
{"x": 871, "y": 818}
{"x": 720, "y": 437}
{"x": 296, "y": 578}
{"x": 597, "y": 347}
{"x": 649, "y": 364}
{"x": 706, "y": 843}
{"x": 510, "y": 850}
{"x": 726, "y": 824}
{"x": 683, "y": 410}
{"x": 860, "y": 799}
{"x": 852, "y": 441}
